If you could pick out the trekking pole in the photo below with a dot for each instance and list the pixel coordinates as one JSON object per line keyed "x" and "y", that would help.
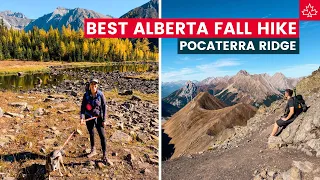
{"x": 89, "y": 119}
{"x": 65, "y": 143}
{"x": 294, "y": 90}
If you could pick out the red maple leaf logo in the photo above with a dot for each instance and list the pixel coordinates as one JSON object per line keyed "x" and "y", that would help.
{"x": 309, "y": 11}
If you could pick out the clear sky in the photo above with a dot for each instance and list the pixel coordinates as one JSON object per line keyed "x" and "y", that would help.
{"x": 36, "y": 8}
{"x": 198, "y": 67}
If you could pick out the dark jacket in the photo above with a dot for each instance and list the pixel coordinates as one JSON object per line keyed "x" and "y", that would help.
{"x": 97, "y": 103}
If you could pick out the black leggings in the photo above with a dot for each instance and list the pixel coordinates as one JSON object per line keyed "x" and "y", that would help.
{"x": 98, "y": 124}
{"x": 282, "y": 123}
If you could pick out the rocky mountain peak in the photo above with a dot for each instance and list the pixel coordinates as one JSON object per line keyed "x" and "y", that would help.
{"x": 148, "y": 10}
{"x": 279, "y": 75}
{"x": 190, "y": 84}
{"x": 18, "y": 15}
{"x": 13, "y": 14}
{"x": 199, "y": 127}
{"x": 189, "y": 90}
{"x": 61, "y": 8}
{"x": 63, "y": 17}
{"x": 60, "y": 11}
{"x": 212, "y": 80}
{"x": 15, "y": 20}
{"x": 183, "y": 95}
{"x": 243, "y": 72}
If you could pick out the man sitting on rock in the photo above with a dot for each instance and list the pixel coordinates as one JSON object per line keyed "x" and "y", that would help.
{"x": 289, "y": 116}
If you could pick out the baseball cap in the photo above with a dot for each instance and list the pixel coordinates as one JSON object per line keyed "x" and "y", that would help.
{"x": 94, "y": 80}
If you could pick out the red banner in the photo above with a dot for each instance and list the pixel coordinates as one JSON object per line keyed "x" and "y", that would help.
{"x": 309, "y": 10}
{"x": 191, "y": 28}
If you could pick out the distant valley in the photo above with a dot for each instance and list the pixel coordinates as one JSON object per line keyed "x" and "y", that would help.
{"x": 253, "y": 89}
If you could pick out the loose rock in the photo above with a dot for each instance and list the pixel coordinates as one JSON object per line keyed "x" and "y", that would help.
{"x": 120, "y": 136}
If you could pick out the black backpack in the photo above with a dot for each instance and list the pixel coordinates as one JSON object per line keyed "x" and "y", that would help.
{"x": 87, "y": 87}
{"x": 299, "y": 103}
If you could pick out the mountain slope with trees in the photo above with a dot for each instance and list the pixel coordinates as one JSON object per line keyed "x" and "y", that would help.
{"x": 69, "y": 45}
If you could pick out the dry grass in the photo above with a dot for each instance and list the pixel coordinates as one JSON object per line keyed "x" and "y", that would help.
{"x": 14, "y": 66}
{"x": 120, "y": 98}
{"x": 310, "y": 84}
{"x": 154, "y": 98}
{"x": 145, "y": 76}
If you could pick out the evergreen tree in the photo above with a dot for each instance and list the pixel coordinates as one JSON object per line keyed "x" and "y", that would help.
{"x": 69, "y": 45}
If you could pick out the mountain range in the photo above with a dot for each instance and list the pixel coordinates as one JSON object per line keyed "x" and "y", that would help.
{"x": 64, "y": 17}
{"x": 73, "y": 17}
{"x": 169, "y": 87}
{"x": 255, "y": 89}
{"x": 183, "y": 95}
{"x": 195, "y": 126}
{"x": 292, "y": 154}
{"x": 16, "y": 20}
{"x": 148, "y": 10}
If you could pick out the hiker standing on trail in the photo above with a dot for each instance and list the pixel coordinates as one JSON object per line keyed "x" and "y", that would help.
{"x": 290, "y": 114}
{"x": 94, "y": 105}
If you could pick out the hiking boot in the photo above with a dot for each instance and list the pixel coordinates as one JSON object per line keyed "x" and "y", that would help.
{"x": 104, "y": 156}
{"x": 279, "y": 131}
{"x": 106, "y": 161}
{"x": 92, "y": 153}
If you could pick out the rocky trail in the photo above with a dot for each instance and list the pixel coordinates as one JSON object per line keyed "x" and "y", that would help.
{"x": 35, "y": 122}
{"x": 251, "y": 154}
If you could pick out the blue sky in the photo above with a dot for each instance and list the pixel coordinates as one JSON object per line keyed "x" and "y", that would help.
{"x": 198, "y": 67}
{"x": 36, "y": 8}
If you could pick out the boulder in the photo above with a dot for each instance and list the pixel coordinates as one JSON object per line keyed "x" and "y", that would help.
{"x": 128, "y": 106}
{"x": 145, "y": 171}
{"x": 48, "y": 99}
{"x": 39, "y": 81}
{"x": 73, "y": 93}
{"x": 20, "y": 73}
{"x": 4, "y": 140}
{"x": 57, "y": 96}
{"x": 292, "y": 174}
{"x": 14, "y": 114}
{"x": 135, "y": 98}
{"x": 1, "y": 112}
{"x": 28, "y": 108}
{"x": 305, "y": 167}
{"x": 21, "y": 105}
{"x": 39, "y": 112}
{"x": 304, "y": 131}
{"x": 126, "y": 92}
{"x": 9, "y": 178}
{"x": 142, "y": 137}
{"x": 129, "y": 158}
{"x": 100, "y": 165}
{"x": 120, "y": 136}
{"x": 274, "y": 142}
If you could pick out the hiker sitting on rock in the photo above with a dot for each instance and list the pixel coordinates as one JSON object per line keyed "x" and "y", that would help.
{"x": 94, "y": 105}
{"x": 290, "y": 114}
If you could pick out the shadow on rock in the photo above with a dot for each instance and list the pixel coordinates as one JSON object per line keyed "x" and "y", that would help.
{"x": 35, "y": 171}
{"x": 74, "y": 164}
{"x": 167, "y": 148}
{"x": 20, "y": 157}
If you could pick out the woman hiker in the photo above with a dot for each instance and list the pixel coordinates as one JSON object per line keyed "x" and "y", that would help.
{"x": 94, "y": 105}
